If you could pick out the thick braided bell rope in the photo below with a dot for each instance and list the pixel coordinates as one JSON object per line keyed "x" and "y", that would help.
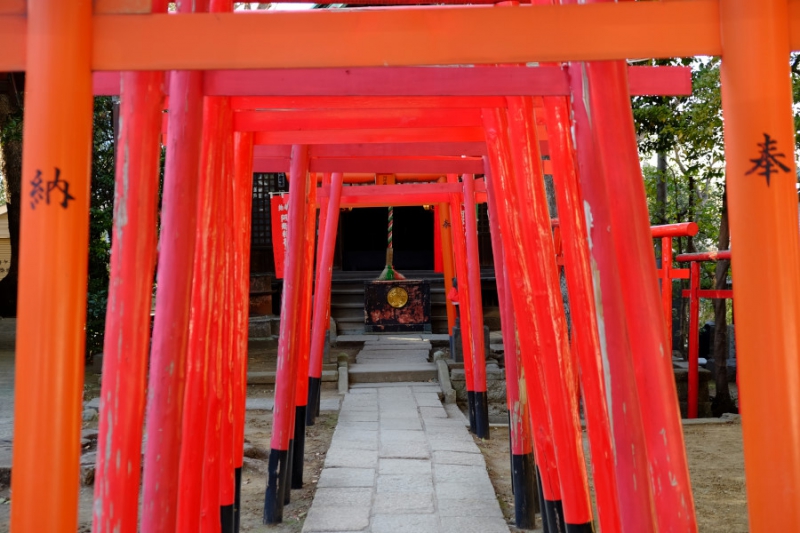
{"x": 391, "y": 225}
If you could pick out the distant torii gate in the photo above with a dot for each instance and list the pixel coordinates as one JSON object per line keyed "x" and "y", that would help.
{"x": 60, "y": 43}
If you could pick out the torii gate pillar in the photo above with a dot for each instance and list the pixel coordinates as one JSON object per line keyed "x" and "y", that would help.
{"x": 53, "y": 258}
{"x": 761, "y": 178}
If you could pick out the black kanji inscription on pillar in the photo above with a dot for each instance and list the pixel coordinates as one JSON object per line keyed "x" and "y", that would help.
{"x": 37, "y": 193}
{"x": 446, "y": 224}
{"x": 61, "y": 186}
{"x": 767, "y": 160}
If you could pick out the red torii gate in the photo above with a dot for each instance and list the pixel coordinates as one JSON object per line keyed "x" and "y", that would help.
{"x": 359, "y": 118}
{"x": 754, "y": 70}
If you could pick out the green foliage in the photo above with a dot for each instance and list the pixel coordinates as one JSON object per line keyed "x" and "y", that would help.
{"x": 10, "y": 132}
{"x": 688, "y": 132}
{"x": 100, "y": 223}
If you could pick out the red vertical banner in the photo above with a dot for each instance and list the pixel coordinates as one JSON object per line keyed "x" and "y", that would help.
{"x": 279, "y": 212}
{"x": 438, "y": 259}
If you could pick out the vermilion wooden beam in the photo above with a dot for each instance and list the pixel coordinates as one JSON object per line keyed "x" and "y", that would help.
{"x": 396, "y": 135}
{"x": 326, "y": 121}
{"x": 346, "y": 119}
{"x": 382, "y": 81}
{"x": 375, "y": 165}
{"x": 19, "y": 7}
{"x": 397, "y": 37}
{"x": 400, "y": 195}
{"x": 363, "y": 102}
{"x": 379, "y": 150}
{"x": 381, "y": 165}
{"x": 412, "y": 36}
{"x": 415, "y": 81}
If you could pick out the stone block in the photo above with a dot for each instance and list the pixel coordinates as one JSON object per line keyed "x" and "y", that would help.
{"x": 465, "y": 491}
{"x": 259, "y": 327}
{"x": 369, "y": 426}
{"x": 356, "y": 446}
{"x": 390, "y": 503}
{"x": 358, "y": 416}
{"x": 474, "y": 524}
{"x": 466, "y": 507}
{"x": 428, "y": 399}
{"x": 405, "y": 523}
{"x": 404, "y": 450}
{"x": 344, "y": 518}
{"x": 461, "y": 474}
{"x": 345, "y": 340}
{"x": 391, "y": 354}
{"x": 402, "y": 436}
{"x": 438, "y": 444}
{"x": 346, "y": 433}
{"x": 387, "y": 372}
{"x": 344, "y": 379}
{"x": 346, "y": 477}
{"x": 339, "y": 456}
{"x": 360, "y": 402}
{"x": 405, "y": 466}
{"x": 433, "y": 412}
{"x": 401, "y": 423}
{"x": 343, "y": 497}
{"x": 405, "y": 483}
{"x": 437, "y": 339}
{"x": 397, "y": 346}
{"x": 88, "y": 461}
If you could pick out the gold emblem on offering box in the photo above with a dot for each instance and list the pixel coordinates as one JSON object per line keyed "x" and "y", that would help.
{"x": 397, "y": 297}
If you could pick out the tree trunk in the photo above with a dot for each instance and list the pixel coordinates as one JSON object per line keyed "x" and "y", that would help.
{"x": 661, "y": 189}
{"x": 661, "y": 200}
{"x": 722, "y": 403}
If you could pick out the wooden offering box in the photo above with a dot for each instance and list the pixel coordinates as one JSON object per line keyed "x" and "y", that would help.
{"x": 397, "y": 306}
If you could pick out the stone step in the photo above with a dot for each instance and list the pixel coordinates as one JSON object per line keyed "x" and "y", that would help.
{"x": 345, "y": 290}
{"x": 348, "y": 305}
{"x": 268, "y": 378}
{"x": 391, "y": 372}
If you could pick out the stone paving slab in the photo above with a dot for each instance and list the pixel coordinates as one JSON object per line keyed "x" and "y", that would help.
{"x": 384, "y": 346}
{"x": 358, "y": 388}
{"x": 414, "y": 468}
{"x": 370, "y": 354}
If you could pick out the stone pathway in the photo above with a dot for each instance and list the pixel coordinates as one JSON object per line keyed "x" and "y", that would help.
{"x": 399, "y": 463}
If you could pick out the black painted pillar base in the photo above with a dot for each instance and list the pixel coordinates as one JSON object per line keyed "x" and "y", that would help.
{"x": 580, "y": 528}
{"x": 554, "y": 510}
{"x": 545, "y": 522}
{"x": 287, "y": 486}
{"x": 277, "y": 477}
{"x": 299, "y": 449}
{"x": 523, "y": 480}
{"x": 471, "y": 409}
{"x": 226, "y": 518}
{"x": 511, "y": 454}
{"x": 481, "y": 414}
{"x": 237, "y": 498}
{"x": 314, "y": 391}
